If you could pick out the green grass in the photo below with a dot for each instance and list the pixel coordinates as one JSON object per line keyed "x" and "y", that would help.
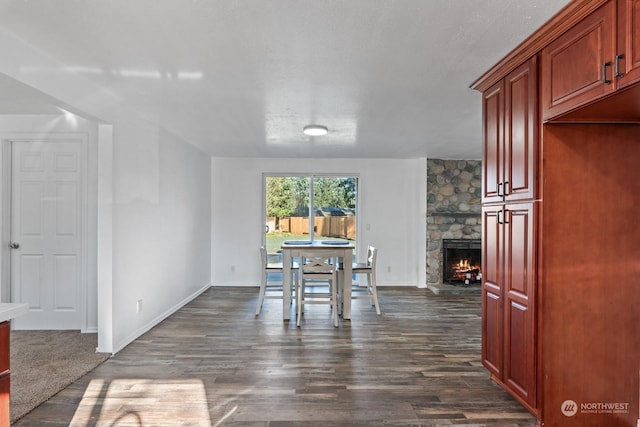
{"x": 275, "y": 240}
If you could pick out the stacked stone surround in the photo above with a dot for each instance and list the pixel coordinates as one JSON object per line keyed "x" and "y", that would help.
{"x": 454, "y": 209}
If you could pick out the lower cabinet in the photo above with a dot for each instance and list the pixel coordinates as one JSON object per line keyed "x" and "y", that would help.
{"x": 508, "y": 298}
{"x": 5, "y": 377}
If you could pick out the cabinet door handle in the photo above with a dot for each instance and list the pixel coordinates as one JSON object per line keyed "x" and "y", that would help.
{"x": 505, "y": 214}
{"x": 505, "y": 191}
{"x": 500, "y": 193}
{"x": 604, "y": 73}
{"x": 617, "y": 65}
{"x": 498, "y": 217}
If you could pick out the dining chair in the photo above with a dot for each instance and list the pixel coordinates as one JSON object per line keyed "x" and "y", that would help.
{"x": 368, "y": 268}
{"x": 273, "y": 289}
{"x": 318, "y": 267}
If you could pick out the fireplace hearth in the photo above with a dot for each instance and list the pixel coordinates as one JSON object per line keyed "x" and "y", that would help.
{"x": 461, "y": 261}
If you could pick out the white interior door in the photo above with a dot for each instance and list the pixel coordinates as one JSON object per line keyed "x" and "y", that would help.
{"x": 46, "y": 232}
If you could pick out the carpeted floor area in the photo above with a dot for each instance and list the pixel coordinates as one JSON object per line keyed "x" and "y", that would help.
{"x": 45, "y": 362}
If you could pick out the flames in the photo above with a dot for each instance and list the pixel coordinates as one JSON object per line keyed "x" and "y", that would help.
{"x": 465, "y": 271}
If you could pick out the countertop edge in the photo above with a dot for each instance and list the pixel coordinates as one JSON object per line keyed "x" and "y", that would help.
{"x": 9, "y": 311}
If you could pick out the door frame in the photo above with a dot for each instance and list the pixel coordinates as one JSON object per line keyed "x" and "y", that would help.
{"x": 5, "y": 212}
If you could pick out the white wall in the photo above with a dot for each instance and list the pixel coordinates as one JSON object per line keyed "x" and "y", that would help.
{"x": 161, "y": 227}
{"x": 158, "y": 222}
{"x": 392, "y": 200}
{"x": 154, "y": 199}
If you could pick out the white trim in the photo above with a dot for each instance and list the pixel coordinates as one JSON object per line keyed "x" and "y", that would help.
{"x": 236, "y": 285}
{"x": 256, "y": 285}
{"x": 5, "y": 214}
{"x": 105, "y": 238}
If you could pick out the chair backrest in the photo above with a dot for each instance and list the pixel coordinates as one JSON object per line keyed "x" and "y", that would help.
{"x": 318, "y": 261}
{"x": 263, "y": 256}
{"x": 372, "y": 254}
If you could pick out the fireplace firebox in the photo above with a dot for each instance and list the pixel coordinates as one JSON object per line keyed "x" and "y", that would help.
{"x": 461, "y": 261}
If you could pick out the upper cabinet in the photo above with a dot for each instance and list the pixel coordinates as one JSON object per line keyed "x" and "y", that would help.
{"x": 628, "y": 58}
{"x": 596, "y": 57}
{"x": 510, "y": 136}
{"x": 578, "y": 66}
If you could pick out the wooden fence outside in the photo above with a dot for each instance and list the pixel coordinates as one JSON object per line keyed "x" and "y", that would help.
{"x": 329, "y": 226}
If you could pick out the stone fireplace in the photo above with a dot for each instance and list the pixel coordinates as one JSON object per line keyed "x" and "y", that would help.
{"x": 454, "y": 210}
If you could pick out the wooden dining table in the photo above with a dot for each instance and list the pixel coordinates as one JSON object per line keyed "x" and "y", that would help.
{"x": 344, "y": 250}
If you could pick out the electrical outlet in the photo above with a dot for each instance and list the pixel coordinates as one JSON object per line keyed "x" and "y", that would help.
{"x": 138, "y": 306}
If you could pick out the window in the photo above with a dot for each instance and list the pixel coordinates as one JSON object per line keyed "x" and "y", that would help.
{"x": 309, "y": 207}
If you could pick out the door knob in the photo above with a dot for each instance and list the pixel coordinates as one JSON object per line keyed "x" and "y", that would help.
{"x": 14, "y": 245}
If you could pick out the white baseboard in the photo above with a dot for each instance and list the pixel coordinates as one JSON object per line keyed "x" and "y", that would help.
{"x": 153, "y": 322}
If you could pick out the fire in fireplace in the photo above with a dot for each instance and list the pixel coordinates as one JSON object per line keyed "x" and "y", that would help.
{"x": 461, "y": 261}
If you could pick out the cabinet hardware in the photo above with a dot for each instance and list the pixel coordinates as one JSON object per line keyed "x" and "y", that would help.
{"x": 14, "y": 245}
{"x": 617, "y": 65}
{"x": 500, "y": 194}
{"x": 498, "y": 217}
{"x": 505, "y": 213}
{"x": 505, "y": 191}
{"x": 604, "y": 73}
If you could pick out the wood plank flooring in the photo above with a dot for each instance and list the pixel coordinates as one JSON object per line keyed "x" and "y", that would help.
{"x": 214, "y": 363}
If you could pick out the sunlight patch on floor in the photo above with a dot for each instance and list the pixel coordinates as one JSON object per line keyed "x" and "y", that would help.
{"x": 143, "y": 402}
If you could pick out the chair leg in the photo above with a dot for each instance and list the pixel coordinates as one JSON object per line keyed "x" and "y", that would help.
{"x": 295, "y": 287}
{"x": 334, "y": 302}
{"x": 263, "y": 288}
{"x": 340, "y": 291}
{"x": 299, "y": 299}
{"x": 373, "y": 288}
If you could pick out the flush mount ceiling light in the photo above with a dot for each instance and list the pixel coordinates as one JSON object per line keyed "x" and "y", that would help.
{"x": 315, "y": 130}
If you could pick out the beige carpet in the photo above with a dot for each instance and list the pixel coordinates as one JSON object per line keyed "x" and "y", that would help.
{"x": 45, "y": 362}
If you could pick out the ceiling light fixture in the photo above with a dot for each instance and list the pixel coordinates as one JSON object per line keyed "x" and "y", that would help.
{"x": 315, "y": 130}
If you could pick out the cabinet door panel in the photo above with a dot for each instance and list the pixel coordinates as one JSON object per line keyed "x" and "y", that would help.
{"x": 492, "y": 307}
{"x": 519, "y": 374}
{"x": 492, "y": 155}
{"x": 629, "y": 41}
{"x": 519, "y": 321}
{"x": 573, "y": 64}
{"x": 520, "y": 139}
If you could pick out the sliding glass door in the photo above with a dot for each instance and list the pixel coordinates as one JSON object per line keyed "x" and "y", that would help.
{"x": 309, "y": 207}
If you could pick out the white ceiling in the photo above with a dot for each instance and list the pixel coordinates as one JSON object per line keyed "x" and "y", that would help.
{"x": 389, "y": 78}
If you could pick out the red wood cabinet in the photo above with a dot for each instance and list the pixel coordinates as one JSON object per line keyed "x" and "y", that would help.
{"x": 5, "y": 377}
{"x": 519, "y": 301}
{"x": 578, "y": 66}
{"x": 560, "y": 291}
{"x": 509, "y": 166}
{"x": 492, "y": 290}
{"x": 508, "y": 298}
{"x": 595, "y": 58}
{"x": 493, "y": 143}
{"x": 628, "y": 42}
{"x": 510, "y": 136}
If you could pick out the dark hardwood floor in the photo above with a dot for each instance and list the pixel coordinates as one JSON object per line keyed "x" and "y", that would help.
{"x": 214, "y": 363}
